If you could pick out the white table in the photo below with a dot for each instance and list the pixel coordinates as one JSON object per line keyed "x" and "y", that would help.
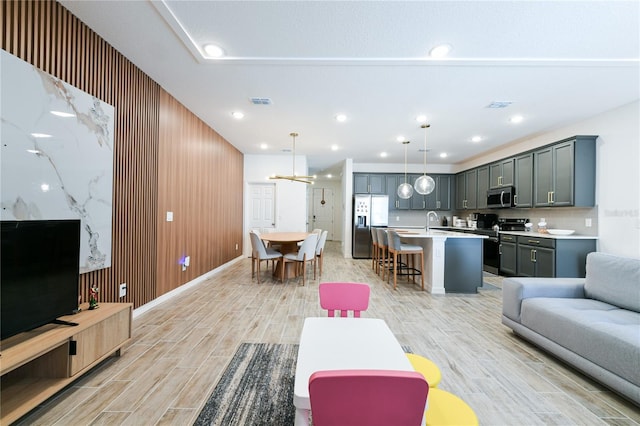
{"x": 342, "y": 344}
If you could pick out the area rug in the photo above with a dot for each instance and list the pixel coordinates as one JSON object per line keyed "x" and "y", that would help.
{"x": 255, "y": 389}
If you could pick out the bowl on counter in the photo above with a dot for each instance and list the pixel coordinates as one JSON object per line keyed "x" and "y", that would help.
{"x": 561, "y": 231}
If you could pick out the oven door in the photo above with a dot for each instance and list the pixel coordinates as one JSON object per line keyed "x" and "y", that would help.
{"x": 491, "y": 249}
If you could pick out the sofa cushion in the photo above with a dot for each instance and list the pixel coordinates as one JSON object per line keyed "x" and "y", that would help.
{"x": 613, "y": 279}
{"x": 602, "y": 333}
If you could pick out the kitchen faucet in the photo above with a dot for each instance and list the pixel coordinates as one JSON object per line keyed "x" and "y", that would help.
{"x": 428, "y": 215}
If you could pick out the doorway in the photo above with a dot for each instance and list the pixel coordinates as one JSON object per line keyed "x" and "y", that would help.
{"x": 322, "y": 210}
{"x": 262, "y": 207}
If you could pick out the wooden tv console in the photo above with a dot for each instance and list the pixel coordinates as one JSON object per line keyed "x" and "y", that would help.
{"x": 36, "y": 364}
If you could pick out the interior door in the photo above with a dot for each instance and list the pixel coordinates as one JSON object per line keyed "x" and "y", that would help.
{"x": 322, "y": 214}
{"x": 262, "y": 207}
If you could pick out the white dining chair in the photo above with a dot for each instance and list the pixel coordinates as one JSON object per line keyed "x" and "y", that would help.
{"x": 307, "y": 253}
{"x": 262, "y": 253}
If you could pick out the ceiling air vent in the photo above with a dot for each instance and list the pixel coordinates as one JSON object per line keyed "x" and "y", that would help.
{"x": 261, "y": 101}
{"x": 499, "y": 104}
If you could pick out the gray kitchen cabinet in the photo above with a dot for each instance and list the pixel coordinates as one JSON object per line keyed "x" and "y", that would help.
{"x": 369, "y": 183}
{"x": 392, "y": 182}
{"x": 467, "y": 190}
{"x": 439, "y": 199}
{"x": 535, "y": 261}
{"x": 564, "y": 173}
{"x": 508, "y": 255}
{"x": 549, "y": 257}
{"x": 483, "y": 186}
{"x": 523, "y": 180}
{"x": 501, "y": 173}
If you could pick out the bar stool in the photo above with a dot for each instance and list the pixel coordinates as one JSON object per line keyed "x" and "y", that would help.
{"x": 396, "y": 250}
{"x": 384, "y": 253}
{"x": 375, "y": 251}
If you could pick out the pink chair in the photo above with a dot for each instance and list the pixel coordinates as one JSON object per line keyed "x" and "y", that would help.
{"x": 344, "y": 297}
{"x": 367, "y": 397}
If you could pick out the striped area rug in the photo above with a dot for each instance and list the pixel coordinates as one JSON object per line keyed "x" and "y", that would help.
{"x": 255, "y": 389}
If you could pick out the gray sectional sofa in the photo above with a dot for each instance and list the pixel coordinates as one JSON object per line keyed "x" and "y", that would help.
{"x": 592, "y": 323}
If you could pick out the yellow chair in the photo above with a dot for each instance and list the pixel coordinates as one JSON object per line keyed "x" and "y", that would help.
{"x": 446, "y": 409}
{"x": 427, "y": 368}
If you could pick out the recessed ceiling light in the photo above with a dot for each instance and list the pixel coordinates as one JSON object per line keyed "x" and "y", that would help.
{"x": 41, "y": 135}
{"x": 329, "y": 176}
{"x": 341, "y": 118}
{"x": 213, "y": 51}
{"x": 443, "y": 155}
{"x": 44, "y": 187}
{"x": 440, "y": 51}
{"x": 33, "y": 151}
{"x": 421, "y": 118}
{"x": 334, "y": 147}
{"x": 62, "y": 114}
{"x": 400, "y": 138}
{"x": 476, "y": 139}
{"x": 383, "y": 154}
{"x": 264, "y": 146}
{"x": 237, "y": 115}
{"x": 516, "y": 119}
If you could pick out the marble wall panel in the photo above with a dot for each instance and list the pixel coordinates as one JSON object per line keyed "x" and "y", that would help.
{"x": 56, "y": 159}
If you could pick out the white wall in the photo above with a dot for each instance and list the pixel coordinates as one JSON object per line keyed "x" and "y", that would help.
{"x": 335, "y": 185}
{"x": 617, "y": 173}
{"x": 291, "y": 197}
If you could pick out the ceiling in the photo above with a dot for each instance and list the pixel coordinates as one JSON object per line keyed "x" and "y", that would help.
{"x": 557, "y": 62}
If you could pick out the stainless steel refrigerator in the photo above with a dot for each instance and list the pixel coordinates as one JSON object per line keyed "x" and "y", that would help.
{"x": 369, "y": 211}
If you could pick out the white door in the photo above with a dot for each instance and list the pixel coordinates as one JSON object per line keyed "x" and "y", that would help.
{"x": 322, "y": 213}
{"x": 262, "y": 207}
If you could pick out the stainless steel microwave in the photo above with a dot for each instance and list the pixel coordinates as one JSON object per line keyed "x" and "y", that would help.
{"x": 500, "y": 198}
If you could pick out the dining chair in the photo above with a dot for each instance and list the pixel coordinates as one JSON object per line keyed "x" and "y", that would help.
{"x": 367, "y": 397}
{"x": 261, "y": 253}
{"x": 396, "y": 250}
{"x": 306, "y": 253}
{"x": 319, "y": 259}
{"x": 344, "y": 297}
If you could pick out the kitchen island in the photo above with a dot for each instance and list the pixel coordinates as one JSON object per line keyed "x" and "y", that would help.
{"x": 452, "y": 260}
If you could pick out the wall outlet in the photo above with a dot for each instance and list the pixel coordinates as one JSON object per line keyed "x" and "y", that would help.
{"x": 169, "y": 216}
{"x": 123, "y": 290}
{"x": 587, "y": 222}
{"x": 236, "y": 246}
{"x": 397, "y": 218}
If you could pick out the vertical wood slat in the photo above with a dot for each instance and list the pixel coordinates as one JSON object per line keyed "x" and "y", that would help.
{"x": 208, "y": 168}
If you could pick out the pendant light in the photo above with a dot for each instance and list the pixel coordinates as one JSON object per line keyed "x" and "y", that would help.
{"x": 293, "y": 177}
{"x": 405, "y": 190}
{"x": 425, "y": 184}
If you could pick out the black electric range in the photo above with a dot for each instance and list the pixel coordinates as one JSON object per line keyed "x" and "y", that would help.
{"x": 491, "y": 245}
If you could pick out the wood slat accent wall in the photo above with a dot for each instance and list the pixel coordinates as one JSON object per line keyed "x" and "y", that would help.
{"x": 49, "y": 37}
{"x": 206, "y": 201}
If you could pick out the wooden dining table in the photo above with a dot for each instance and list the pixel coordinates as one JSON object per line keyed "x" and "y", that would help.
{"x": 288, "y": 242}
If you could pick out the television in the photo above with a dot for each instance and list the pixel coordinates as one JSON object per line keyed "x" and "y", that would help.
{"x": 39, "y": 273}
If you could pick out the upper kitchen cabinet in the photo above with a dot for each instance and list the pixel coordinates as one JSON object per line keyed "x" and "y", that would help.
{"x": 483, "y": 186}
{"x": 501, "y": 173}
{"x": 564, "y": 173}
{"x": 467, "y": 190}
{"x": 439, "y": 199}
{"x": 369, "y": 183}
{"x": 524, "y": 180}
{"x": 392, "y": 182}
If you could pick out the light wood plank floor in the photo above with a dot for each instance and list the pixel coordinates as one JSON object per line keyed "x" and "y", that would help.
{"x": 181, "y": 347}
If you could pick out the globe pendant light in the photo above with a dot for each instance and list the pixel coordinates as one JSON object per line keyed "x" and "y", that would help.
{"x": 425, "y": 184}
{"x": 405, "y": 190}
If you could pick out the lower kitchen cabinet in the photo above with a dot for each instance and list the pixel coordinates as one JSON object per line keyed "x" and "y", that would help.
{"x": 549, "y": 257}
{"x": 508, "y": 255}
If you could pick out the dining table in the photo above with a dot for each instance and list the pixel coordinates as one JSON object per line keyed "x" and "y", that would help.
{"x": 342, "y": 344}
{"x": 288, "y": 242}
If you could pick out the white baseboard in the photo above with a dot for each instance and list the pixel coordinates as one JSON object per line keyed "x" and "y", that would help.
{"x": 186, "y": 286}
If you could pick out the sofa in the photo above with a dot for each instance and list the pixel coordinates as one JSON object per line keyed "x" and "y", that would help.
{"x": 591, "y": 323}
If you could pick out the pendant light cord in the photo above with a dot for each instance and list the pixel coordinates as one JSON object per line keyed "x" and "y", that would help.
{"x": 425, "y": 127}
{"x": 405, "y": 143}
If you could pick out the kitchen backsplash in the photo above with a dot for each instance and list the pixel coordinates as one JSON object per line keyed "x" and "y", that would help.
{"x": 557, "y": 217}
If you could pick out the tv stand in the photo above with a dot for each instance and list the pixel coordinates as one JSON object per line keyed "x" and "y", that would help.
{"x": 35, "y": 365}
{"x": 63, "y": 322}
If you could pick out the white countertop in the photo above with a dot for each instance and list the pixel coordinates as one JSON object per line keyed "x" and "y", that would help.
{"x": 555, "y": 237}
{"x": 433, "y": 233}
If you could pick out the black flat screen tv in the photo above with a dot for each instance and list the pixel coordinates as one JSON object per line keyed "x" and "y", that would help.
{"x": 39, "y": 273}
